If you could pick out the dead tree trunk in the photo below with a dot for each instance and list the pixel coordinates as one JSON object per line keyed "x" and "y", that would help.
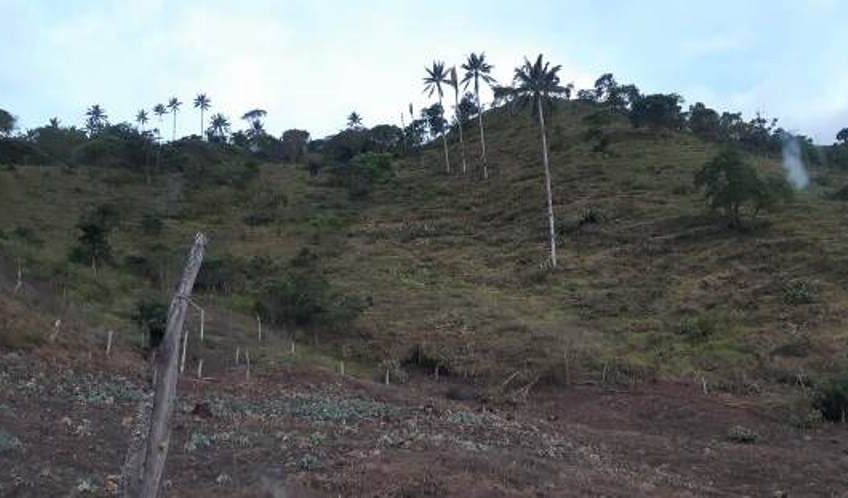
{"x": 144, "y": 481}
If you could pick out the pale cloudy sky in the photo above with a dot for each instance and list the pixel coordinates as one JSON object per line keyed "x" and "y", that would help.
{"x": 310, "y": 63}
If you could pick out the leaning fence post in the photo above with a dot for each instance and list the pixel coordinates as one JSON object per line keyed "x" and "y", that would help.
{"x": 109, "y": 342}
{"x": 144, "y": 482}
{"x": 259, "y": 327}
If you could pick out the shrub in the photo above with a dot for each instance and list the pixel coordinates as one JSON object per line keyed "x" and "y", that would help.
{"x": 152, "y": 316}
{"x": 365, "y": 170}
{"x": 93, "y": 242}
{"x": 703, "y": 326}
{"x": 832, "y": 400}
{"x": 739, "y": 434}
{"x": 798, "y": 292}
{"x": 152, "y": 224}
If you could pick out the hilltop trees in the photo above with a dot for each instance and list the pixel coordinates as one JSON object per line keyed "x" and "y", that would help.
{"x": 96, "y": 119}
{"x": 174, "y": 105}
{"x": 354, "y": 121}
{"x": 7, "y": 123}
{"x": 218, "y": 128}
{"x": 436, "y": 77}
{"x": 536, "y": 85}
{"x": 658, "y": 111}
{"x": 141, "y": 118}
{"x": 203, "y": 103}
{"x": 477, "y": 70}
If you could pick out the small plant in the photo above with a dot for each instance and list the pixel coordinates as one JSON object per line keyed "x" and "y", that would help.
{"x": 152, "y": 316}
{"x": 740, "y": 434}
{"x": 308, "y": 463}
{"x": 590, "y": 216}
{"x": 798, "y": 292}
{"x": 152, "y": 224}
{"x": 703, "y": 326}
{"x": 8, "y": 441}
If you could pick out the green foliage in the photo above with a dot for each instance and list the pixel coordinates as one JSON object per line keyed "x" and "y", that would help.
{"x": 832, "y": 400}
{"x": 730, "y": 183}
{"x": 704, "y": 325}
{"x": 151, "y": 316}
{"x": 93, "y": 242}
{"x": 294, "y": 144}
{"x": 7, "y": 122}
{"x": 658, "y": 111}
{"x": 740, "y": 434}
{"x": 152, "y": 224}
{"x": 364, "y": 171}
{"x": 303, "y": 296}
{"x": 798, "y": 292}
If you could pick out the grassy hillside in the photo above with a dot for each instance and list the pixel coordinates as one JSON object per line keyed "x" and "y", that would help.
{"x": 452, "y": 268}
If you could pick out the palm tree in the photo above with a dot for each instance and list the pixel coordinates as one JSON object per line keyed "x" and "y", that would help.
{"x": 536, "y": 84}
{"x": 254, "y": 115}
{"x": 354, "y": 120}
{"x": 477, "y": 69}
{"x": 454, "y": 82}
{"x": 219, "y": 126}
{"x": 96, "y": 118}
{"x": 174, "y": 105}
{"x": 436, "y": 77}
{"x": 203, "y": 103}
{"x": 141, "y": 118}
{"x": 54, "y": 123}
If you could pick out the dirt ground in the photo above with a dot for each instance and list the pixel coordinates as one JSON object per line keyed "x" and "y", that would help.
{"x": 299, "y": 432}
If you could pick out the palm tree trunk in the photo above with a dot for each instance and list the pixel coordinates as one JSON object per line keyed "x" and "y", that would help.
{"x": 482, "y": 136}
{"x": 174, "y": 128}
{"x": 201, "y": 123}
{"x": 445, "y": 142}
{"x": 459, "y": 125}
{"x": 551, "y": 224}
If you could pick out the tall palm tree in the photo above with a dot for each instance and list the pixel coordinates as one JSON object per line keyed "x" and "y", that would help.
{"x": 436, "y": 77}
{"x": 174, "y": 105}
{"x": 219, "y": 126}
{"x": 453, "y": 81}
{"x": 160, "y": 110}
{"x": 54, "y": 123}
{"x": 96, "y": 118}
{"x": 141, "y": 118}
{"x": 537, "y": 84}
{"x": 203, "y": 103}
{"x": 354, "y": 120}
{"x": 476, "y": 70}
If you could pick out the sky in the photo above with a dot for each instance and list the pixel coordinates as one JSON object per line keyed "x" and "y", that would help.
{"x": 310, "y": 63}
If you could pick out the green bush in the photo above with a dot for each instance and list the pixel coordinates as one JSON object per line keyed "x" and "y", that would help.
{"x": 151, "y": 315}
{"x": 152, "y": 224}
{"x": 703, "y": 326}
{"x": 798, "y": 292}
{"x": 832, "y": 400}
{"x": 360, "y": 174}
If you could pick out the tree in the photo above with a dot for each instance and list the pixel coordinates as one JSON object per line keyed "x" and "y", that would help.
{"x": 218, "y": 128}
{"x": 203, "y": 103}
{"x": 468, "y": 107}
{"x": 536, "y": 85}
{"x": 704, "y": 122}
{"x": 95, "y": 227}
{"x": 54, "y": 122}
{"x": 730, "y": 183}
{"x": 436, "y": 77}
{"x": 294, "y": 144}
{"x": 658, "y": 111}
{"x": 141, "y": 118}
{"x": 7, "y": 123}
{"x": 842, "y": 136}
{"x": 453, "y": 81}
{"x": 174, "y": 105}
{"x": 354, "y": 121}
{"x": 254, "y": 115}
{"x": 434, "y": 117}
{"x": 477, "y": 70}
{"x": 96, "y": 119}
{"x": 160, "y": 110}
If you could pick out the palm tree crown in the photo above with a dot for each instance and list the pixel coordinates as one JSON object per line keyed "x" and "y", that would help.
{"x": 97, "y": 118}
{"x": 354, "y": 120}
{"x": 220, "y": 126}
{"x": 477, "y": 69}
{"x": 141, "y": 117}
{"x": 174, "y": 105}
{"x": 437, "y": 76}
{"x": 203, "y": 103}
{"x": 536, "y": 83}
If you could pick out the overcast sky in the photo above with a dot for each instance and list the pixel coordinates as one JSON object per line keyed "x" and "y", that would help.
{"x": 310, "y": 63}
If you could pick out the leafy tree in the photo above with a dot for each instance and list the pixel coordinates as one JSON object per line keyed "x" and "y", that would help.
{"x": 294, "y": 143}
{"x": 468, "y": 107}
{"x": 453, "y": 81}
{"x": 535, "y": 85}
{"x": 203, "y": 103}
{"x": 7, "y": 123}
{"x": 354, "y": 121}
{"x": 704, "y": 122}
{"x": 174, "y": 105}
{"x": 385, "y": 137}
{"x": 478, "y": 70}
{"x": 434, "y": 116}
{"x": 842, "y": 136}
{"x": 415, "y": 133}
{"x": 152, "y": 316}
{"x": 141, "y": 118}
{"x": 96, "y": 119}
{"x": 586, "y": 95}
{"x": 658, "y": 111}
{"x": 218, "y": 128}
{"x": 605, "y": 87}
{"x": 730, "y": 184}
{"x": 436, "y": 77}
{"x": 54, "y": 122}
{"x": 93, "y": 242}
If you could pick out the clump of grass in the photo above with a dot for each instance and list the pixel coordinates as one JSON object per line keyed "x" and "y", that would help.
{"x": 703, "y": 326}
{"x": 8, "y": 441}
{"x": 740, "y": 434}
{"x": 798, "y": 292}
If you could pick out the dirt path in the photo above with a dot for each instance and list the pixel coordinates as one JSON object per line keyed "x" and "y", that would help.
{"x": 310, "y": 433}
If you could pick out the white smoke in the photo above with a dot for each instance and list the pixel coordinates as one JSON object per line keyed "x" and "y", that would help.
{"x": 796, "y": 173}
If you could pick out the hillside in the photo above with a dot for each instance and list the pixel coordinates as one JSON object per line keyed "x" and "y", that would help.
{"x": 657, "y": 312}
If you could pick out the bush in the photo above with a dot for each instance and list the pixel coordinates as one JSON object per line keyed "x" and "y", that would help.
{"x": 365, "y": 170}
{"x": 95, "y": 226}
{"x": 152, "y": 316}
{"x": 152, "y": 224}
{"x": 739, "y": 434}
{"x": 832, "y": 400}
{"x": 798, "y": 292}
{"x": 703, "y": 326}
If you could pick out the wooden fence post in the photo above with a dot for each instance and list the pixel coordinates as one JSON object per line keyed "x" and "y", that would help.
{"x": 144, "y": 482}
